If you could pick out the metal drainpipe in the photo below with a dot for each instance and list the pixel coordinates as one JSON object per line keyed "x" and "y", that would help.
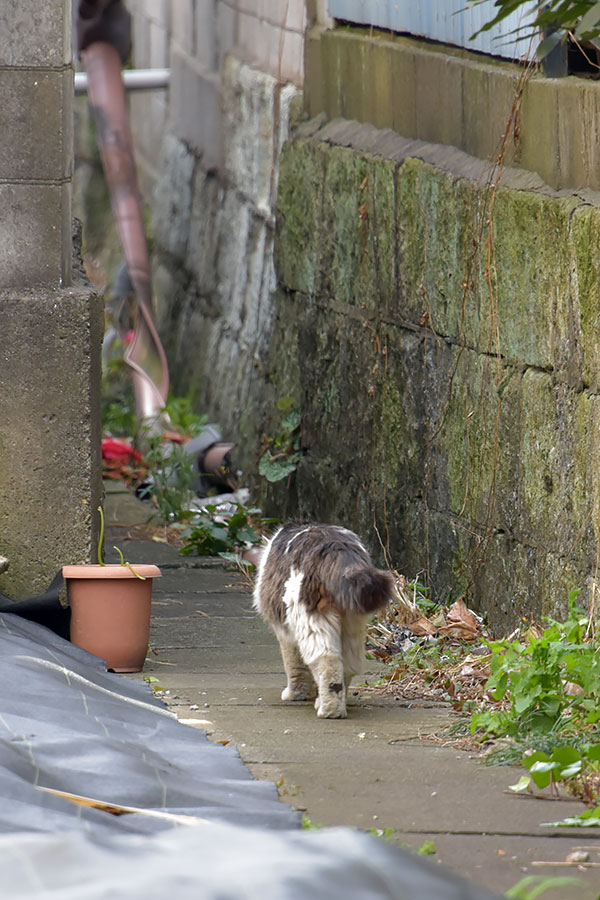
{"x": 133, "y": 80}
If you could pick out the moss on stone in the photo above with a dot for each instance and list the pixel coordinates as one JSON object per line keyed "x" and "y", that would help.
{"x": 530, "y": 275}
{"x": 585, "y": 242}
{"x": 437, "y": 225}
{"x": 297, "y": 252}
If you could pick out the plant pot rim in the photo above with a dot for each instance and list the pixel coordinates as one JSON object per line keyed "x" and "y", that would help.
{"x": 111, "y": 571}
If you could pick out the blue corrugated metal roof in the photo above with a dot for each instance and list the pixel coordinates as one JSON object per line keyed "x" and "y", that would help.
{"x": 440, "y": 20}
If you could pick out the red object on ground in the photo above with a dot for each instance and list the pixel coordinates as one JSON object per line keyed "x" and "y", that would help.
{"x": 119, "y": 451}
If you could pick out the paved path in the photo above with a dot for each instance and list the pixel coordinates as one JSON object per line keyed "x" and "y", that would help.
{"x": 221, "y": 667}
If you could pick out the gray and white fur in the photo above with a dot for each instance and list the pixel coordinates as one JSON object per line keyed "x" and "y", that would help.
{"x": 317, "y": 588}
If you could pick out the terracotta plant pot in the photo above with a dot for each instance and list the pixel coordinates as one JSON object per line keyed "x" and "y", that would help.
{"x": 110, "y": 612}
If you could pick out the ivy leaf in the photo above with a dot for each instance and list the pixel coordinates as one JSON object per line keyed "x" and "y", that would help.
{"x": 291, "y": 421}
{"x": 275, "y": 469}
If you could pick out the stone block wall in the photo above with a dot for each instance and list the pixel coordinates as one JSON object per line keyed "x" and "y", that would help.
{"x": 208, "y": 153}
{"x": 213, "y": 255}
{"x": 443, "y": 334}
{"x": 193, "y": 38}
{"x": 50, "y": 469}
{"x": 446, "y": 95}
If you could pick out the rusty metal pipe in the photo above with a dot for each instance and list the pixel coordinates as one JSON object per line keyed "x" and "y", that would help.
{"x": 145, "y": 355}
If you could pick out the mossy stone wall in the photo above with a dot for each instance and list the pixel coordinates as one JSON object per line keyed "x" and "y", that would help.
{"x": 441, "y": 338}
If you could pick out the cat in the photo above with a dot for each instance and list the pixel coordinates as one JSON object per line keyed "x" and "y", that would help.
{"x": 317, "y": 588}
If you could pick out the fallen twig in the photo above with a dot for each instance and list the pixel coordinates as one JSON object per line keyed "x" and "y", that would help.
{"x": 116, "y": 809}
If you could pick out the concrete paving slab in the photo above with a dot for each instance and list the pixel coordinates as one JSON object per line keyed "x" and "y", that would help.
{"x": 176, "y": 604}
{"x": 208, "y": 631}
{"x": 248, "y": 659}
{"x": 201, "y": 581}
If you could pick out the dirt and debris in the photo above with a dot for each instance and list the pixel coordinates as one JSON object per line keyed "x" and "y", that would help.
{"x": 437, "y": 654}
{"x": 160, "y": 534}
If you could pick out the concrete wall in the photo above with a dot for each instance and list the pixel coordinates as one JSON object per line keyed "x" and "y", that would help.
{"x": 51, "y": 331}
{"x": 36, "y": 150}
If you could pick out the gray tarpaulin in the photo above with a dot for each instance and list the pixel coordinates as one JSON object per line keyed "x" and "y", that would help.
{"x": 67, "y": 724}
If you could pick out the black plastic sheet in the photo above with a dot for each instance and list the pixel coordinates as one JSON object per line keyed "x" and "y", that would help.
{"x": 67, "y": 724}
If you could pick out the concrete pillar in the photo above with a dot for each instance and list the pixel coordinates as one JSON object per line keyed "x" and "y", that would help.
{"x": 50, "y": 330}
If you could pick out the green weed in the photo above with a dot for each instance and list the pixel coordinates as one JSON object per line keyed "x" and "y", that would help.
{"x": 154, "y": 683}
{"x": 427, "y": 848}
{"x": 308, "y": 825}
{"x": 533, "y": 886}
{"x": 171, "y": 477}
{"x": 182, "y": 417}
{"x": 547, "y": 684}
{"x": 546, "y": 688}
{"x": 281, "y": 454}
{"x": 210, "y": 533}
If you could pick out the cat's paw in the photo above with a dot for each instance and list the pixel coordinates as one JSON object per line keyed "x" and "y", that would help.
{"x": 338, "y": 712}
{"x": 331, "y": 709}
{"x": 290, "y": 693}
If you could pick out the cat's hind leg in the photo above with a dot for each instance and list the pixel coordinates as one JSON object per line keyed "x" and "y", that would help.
{"x": 318, "y": 637}
{"x": 328, "y": 672}
{"x": 300, "y": 682}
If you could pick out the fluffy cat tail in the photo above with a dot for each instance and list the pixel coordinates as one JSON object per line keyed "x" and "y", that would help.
{"x": 365, "y": 590}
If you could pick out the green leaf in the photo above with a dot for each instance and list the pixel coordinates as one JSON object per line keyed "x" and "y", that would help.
{"x": 275, "y": 469}
{"x": 574, "y": 822}
{"x": 521, "y": 785}
{"x": 566, "y": 755}
{"x": 541, "y": 772}
{"x": 497, "y": 685}
{"x": 248, "y": 535}
{"x": 572, "y": 770}
{"x": 550, "y": 43}
{"x": 589, "y": 21}
{"x": 523, "y": 701}
{"x": 285, "y": 404}
{"x": 506, "y": 8}
{"x": 237, "y": 559}
{"x": 291, "y": 421}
